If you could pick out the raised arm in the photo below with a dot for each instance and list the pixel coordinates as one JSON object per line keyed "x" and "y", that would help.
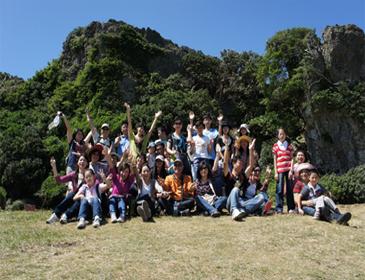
{"x": 130, "y": 130}
{"x": 54, "y": 167}
{"x": 251, "y": 159}
{"x": 220, "y": 119}
{"x": 94, "y": 132}
{"x": 153, "y": 125}
{"x": 226, "y": 158}
{"x": 68, "y": 127}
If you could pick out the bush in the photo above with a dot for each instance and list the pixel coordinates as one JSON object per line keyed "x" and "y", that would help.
{"x": 51, "y": 192}
{"x": 16, "y": 205}
{"x": 347, "y": 188}
{"x": 2, "y": 198}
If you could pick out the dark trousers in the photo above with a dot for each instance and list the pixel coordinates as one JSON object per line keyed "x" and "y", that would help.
{"x": 68, "y": 206}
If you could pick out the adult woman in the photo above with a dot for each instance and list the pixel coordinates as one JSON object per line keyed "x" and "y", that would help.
{"x": 76, "y": 144}
{"x": 68, "y": 208}
{"x": 206, "y": 198}
{"x": 147, "y": 193}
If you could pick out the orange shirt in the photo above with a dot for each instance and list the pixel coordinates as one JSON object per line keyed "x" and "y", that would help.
{"x": 173, "y": 185}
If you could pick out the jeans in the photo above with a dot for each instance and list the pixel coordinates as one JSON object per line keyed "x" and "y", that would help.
{"x": 85, "y": 206}
{"x": 68, "y": 206}
{"x": 250, "y": 206}
{"x": 330, "y": 214}
{"x": 218, "y": 204}
{"x": 117, "y": 203}
{"x": 169, "y": 204}
{"x": 283, "y": 177}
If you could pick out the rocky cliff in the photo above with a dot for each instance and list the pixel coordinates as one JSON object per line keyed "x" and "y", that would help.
{"x": 335, "y": 131}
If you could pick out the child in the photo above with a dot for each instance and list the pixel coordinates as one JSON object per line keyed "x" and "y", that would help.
{"x": 89, "y": 195}
{"x": 318, "y": 204}
{"x": 122, "y": 180}
{"x": 283, "y": 163}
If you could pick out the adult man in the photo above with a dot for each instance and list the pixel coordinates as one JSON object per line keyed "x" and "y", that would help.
{"x": 121, "y": 143}
{"x": 181, "y": 189}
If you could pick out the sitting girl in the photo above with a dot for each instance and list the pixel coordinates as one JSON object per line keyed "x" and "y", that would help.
{"x": 89, "y": 196}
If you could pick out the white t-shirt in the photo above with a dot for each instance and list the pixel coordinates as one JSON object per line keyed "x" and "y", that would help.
{"x": 201, "y": 146}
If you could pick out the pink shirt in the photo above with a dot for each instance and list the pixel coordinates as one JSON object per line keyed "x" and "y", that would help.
{"x": 120, "y": 187}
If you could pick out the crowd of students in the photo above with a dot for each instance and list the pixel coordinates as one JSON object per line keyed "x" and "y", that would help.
{"x": 205, "y": 170}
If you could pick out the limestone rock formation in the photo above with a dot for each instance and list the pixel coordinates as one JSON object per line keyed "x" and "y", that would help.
{"x": 335, "y": 138}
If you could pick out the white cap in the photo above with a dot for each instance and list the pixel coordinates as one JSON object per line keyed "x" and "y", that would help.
{"x": 245, "y": 126}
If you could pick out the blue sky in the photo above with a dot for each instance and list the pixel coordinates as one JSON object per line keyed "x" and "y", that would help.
{"x": 32, "y": 32}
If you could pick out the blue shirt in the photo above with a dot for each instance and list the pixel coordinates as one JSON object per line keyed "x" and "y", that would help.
{"x": 123, "y": 145}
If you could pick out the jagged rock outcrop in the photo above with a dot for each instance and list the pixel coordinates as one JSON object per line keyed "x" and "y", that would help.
{"x": 335, "y": 138}
{"x": 344, "y": 52}
{"x": 96, "y": 40}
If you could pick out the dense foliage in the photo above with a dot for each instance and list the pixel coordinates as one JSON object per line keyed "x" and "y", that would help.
{"x": 104, "y": 65}
{"x": 348, "y": 188}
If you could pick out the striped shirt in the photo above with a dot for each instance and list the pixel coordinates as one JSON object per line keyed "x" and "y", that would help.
{"x": 283, "y": 156}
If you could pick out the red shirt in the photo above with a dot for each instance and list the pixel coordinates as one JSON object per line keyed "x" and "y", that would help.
{"x": 283, "y": 157}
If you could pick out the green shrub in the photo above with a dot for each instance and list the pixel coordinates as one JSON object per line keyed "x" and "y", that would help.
{"x": 16, "y": 205}
{"x": 347, "y": 188}
{"x": 51, "y": 192}
{"x": 2, "y": 198}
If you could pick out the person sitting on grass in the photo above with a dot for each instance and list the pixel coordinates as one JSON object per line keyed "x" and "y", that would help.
{"x": 122, "y": 177}
{"x": 251, "y": 196}
{"x": 206, "y": 198}
{"x": 237, "y": 180}
{"x": 89, "y": 196}
{"x": 68, "y": 208}
{"x": 147, "y": 193}
{"x": 317, "y": 204}
{"x": 181, "y": 191}
{"x": 302, "y": 174}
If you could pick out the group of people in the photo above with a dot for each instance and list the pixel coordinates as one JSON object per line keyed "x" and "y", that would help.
{"x": 205, "y": 170}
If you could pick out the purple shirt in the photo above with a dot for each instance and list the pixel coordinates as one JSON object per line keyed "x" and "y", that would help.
{"x": 74, "y": 177}
{"x": 120, "y": 187}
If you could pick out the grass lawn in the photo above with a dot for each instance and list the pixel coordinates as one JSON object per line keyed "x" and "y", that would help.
{"x": 274, "y": 247}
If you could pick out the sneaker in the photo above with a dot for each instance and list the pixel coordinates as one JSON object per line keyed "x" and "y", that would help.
{"x": 291, "y": 211}
{"x": 238, "y": 215}
{"x": 63, "y": 219}
{"x": 267, "y": 207}
{"x": 113, "y": 217}
{"x": 215, "y": 214}
{"x": 96, "y": 222}
{"x": 141, "y": 210}
{"x": 81, "y": 223}
{"x": 344, "y": 218}
{"x": 185, "y": 212}
{"x": 121, "y": 219}
{"x": 52, "y": 219}
{"x": 317, "y": 215}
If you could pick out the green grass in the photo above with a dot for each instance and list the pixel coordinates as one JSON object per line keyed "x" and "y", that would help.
{"x": 275, "y": 247}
